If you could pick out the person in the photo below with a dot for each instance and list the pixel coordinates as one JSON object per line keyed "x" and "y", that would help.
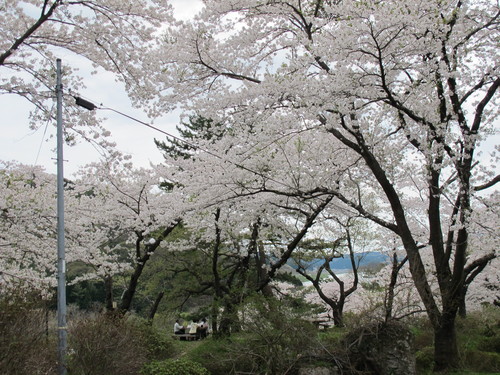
{"x": 203, "y": 328}
{"x": 193, "y": 327}
{"x": 178, "y": 328}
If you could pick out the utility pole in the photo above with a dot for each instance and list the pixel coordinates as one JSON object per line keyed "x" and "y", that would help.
{"x": 61, "y": 262}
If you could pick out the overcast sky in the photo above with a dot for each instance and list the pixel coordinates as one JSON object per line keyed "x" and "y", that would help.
{"x": 19, "y": 143}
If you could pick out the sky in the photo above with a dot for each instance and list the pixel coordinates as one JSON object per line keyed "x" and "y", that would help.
{"x": 19, "y": 143}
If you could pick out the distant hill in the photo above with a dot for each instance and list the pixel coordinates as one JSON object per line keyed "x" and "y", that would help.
{"x": 344, "y": 263}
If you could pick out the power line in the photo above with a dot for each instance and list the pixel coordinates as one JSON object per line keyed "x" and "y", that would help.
{"x": 87, "y": 104}
{"x": 43, "y": 136}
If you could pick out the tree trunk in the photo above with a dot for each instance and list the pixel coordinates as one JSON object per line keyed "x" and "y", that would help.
{"x": 229, "y": 320}
{"x": 338, "y": 319}
{"x": 129, "y": 293}
{"x": 445, "y": 344}
{"x": 214, "y": 321}
{"x": 154, "y": 308}
{"x": 462, "y": 308}
{"x": 389, "y": 296}
{"x": 108, "y": 292}
{"x": 267, "y": 290}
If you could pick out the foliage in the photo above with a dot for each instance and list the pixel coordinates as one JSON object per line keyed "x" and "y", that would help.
{"x": 86, "y": 294}
{"x": 111, "y": 35}
{"x": 377, "y": 110}
{"x": 113, "y": 230}
{"x": 372, "y": 109}
{"x": 156, "y": 341}
{"x": 273, "y": 339}
{"x": 197, "y": 128}
{"x": 480, "y": 361}
{"x": 215, "y": 354}
{"x": 105, "y": 344}
{"x": 27, "y": 346}
{"x": 478, "y": 338}
{"x": 174, "y": 367}
{"x": 425, "y": 360}
{"x": 178, "y": 274}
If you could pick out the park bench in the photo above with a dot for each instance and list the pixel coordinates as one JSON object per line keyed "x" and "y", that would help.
{"x": 187, "y": 336}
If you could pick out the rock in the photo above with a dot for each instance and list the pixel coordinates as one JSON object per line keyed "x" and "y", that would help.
{"x": 382, "y": 349}
{"x": 317, "y": 371}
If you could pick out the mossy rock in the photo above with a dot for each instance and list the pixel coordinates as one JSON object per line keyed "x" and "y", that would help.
{"x": 386, "y": 348}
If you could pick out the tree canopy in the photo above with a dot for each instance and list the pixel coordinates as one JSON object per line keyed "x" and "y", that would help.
{"x": 316, "y": 111}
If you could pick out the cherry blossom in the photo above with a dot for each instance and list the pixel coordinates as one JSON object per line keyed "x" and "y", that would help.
{"x": 380, "y": 107}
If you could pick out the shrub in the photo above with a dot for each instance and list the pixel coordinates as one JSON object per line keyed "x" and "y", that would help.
{"x": 157, "y": 343}
{"x": 215, "y": 355}
{"x": 425, "y": 360}
{"x": 422, "y": 330}
{"x": 174, "y": 367}
{"x": 490, "y": 344}
{"x": 279, "y": 337}
{"x": 273, "y": 340}
{"x": 476, "y": 360}
{"x": 105, "y": 344}
{"x": 27, "y": 346}
{"x": 333, "y": 337}
{"x": 382, "y": 347}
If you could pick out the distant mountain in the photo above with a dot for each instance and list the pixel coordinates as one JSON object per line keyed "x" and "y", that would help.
{"x": 344, "y": 263}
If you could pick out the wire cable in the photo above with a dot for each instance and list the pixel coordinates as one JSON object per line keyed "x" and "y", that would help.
{"x": 43, "y": 136}
{"x": 91, "y": 106}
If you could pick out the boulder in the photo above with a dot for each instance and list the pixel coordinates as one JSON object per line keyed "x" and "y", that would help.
{"x": 317, "y": 371}
{"x": 382, "y": 349}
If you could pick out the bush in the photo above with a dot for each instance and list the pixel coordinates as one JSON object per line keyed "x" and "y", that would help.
{"x": 26, "y": 347}
{"x": 490, "y": 344}
{"x": 423, "y": 332}
{"x": 425, "y": 360}
{"x": 215, "y": 355}
{"x": 174, "y": 367}
{"x": 476, "y": 360}
{"x": 157, "y": 343}
{"x": 382, "y": 348}
{"x": 273, "y": 340}
{"x": 333, "y": 337}
{"x": 280, "y": 338}
{"x": 105, "y": 344}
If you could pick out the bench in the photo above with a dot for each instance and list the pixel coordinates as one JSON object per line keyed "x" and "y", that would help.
{"x": 186, "y": 336}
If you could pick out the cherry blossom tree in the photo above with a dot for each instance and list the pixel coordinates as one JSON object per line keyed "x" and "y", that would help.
{"x": 240, "y": 251}
{"x": 134, "y": 212}
{"x": 115, "y": 218}
{"x": 252, "y": 233}
{"x": 336, "y": 300}
{"x": 28, "y": 231}
{"x": 403, "y": 93}
{"x": 113, "y": 35}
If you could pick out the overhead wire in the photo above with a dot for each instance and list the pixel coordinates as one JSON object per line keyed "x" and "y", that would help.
{"x": 43, "y": 136}
{"x": 90, "y": 105}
